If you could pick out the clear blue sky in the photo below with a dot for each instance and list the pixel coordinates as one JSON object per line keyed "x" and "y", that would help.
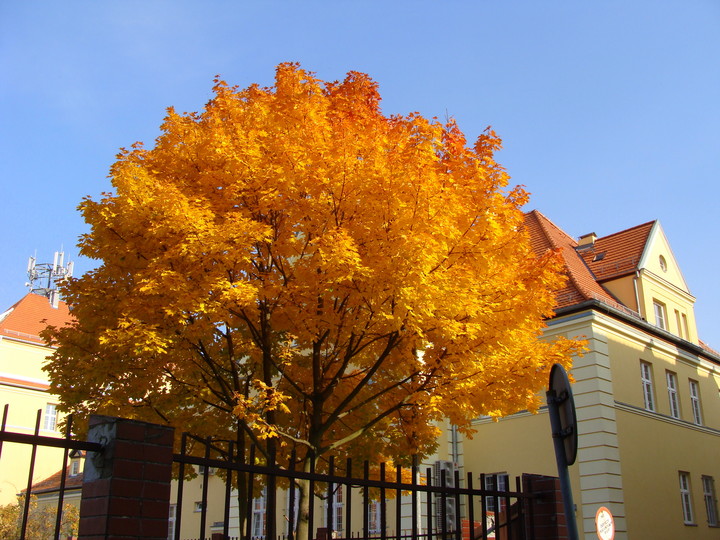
{"x": 609, "y": 111}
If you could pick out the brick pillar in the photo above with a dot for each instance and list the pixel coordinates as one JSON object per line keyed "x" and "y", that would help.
{"x": 548, "y": 514}
{"x": 126, "y": 489}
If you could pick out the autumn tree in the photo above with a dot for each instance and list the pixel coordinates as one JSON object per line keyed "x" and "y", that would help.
{"x": 293, "y": 268}
{"x": 40, "y": 522}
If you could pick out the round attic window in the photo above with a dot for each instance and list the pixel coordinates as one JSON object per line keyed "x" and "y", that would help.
{"x": 663, "y": 264}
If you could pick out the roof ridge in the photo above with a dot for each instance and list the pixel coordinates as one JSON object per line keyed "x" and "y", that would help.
{"x": 651, "y": 222}
{"x": 541, "y": 223}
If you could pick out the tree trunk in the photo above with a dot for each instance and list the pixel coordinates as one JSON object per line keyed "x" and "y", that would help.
{"x": 305, "y": 498}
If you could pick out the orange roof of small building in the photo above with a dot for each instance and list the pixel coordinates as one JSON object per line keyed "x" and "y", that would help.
{"x": 32, "y": 314}
{"x": 52, "y": 482}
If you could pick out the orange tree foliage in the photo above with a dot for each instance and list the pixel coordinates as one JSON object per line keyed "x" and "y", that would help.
{"x": 293, "y": 265}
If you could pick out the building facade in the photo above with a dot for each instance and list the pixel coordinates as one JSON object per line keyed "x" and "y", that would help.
{"x": 646, "y": 393}
{"x": 24, "y": 389}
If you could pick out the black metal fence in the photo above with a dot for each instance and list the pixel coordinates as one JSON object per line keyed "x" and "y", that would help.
{"x": 347, "y": 499}
{"x": 418, "y": 503}
{"x": 35, "y": 441}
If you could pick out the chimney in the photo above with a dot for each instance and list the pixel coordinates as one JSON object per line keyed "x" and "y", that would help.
{"x": 587, "y": 240}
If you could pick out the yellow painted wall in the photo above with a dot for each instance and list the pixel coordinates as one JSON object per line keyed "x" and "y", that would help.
{"x": 24, "y": 360}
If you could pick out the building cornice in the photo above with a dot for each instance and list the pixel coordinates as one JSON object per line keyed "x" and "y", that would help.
{"x": 635, "y": 321}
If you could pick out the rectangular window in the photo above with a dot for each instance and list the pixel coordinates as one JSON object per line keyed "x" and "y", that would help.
{"x": 647, "y": 386}
{"x": 660, "y": 316}
{"x": 374, "y": 517}
{"x": 710, "y": 500}
{"x": 171, "y": 522}
{"x": 672, "y": 394}
{"x": 685, "y": 326}
{"x": 495, "y": 482}
{"x": 338, "y": 505}
{"x": 686, "y": 498}
{"x": 679, "y": 324}
{"x": 50, "y": 421}
{"x": 258, "y": 516}
{"x": 695, "y": 402}
{"x": 337, "y": 509}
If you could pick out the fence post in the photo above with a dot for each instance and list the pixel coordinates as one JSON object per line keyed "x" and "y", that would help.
{"x": 548, "y": 514}
{"x": 126, "y": 489}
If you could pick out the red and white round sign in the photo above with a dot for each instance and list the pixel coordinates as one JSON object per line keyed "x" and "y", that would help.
{"x": 604, "y": 524}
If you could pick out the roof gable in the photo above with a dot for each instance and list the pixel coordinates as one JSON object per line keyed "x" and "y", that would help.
{"x": 659, "y": 259}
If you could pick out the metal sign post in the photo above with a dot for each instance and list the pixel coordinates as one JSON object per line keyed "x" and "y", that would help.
{"x": 563, "y": 423}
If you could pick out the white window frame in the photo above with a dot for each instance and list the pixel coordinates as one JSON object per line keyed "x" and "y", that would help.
{"x": 708, "y": 483}
{"x": 171, "y": 521}
{"x": 50, "y": 418}
{"x": 496, "y": 482}
{"x": 686, "y": 498}
{"x": 374, "y": 517}
{"x": 673, "y": 400}
{"x": 647, "y": 385}
{"x": 660, "y": 314}
{"x": 695, "y": 402}
{"x": 338, "y": 502}
{"x": 259, "y": 513}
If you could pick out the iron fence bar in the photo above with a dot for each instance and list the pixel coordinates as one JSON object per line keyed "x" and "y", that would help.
{"x": 483, "y": 504}
{"x": 249, "y": 502}
{"x": 471, "y": 508}
{"x": 43, "y": 440}
{"x": 348, "y": 515}
{"x": 443, "y": 504}
{"x": 429, "y": 520}
{"x": 203, "y": 499}
{"x": 271, "y": 496}
{"x": 458, "y": 520}
{"x": 311, "y": 495}
{"x": 398, "y": 506}
{"x": 181, "y": 483}
{"x": 366, "y": 500}
{"x": 4, "y": 423}
{"x": 521, "y": 510}
{"x": 291, "y": 522}
{"x": 508, "y": 514}
{"x": 28, "y": 491}
{"x": 63, "y": 476}
{"x": 329, "y": 514}
{"x": 383, "y": 505}
{"x": 413, "y": 496}
{"x": 228, "y": 491}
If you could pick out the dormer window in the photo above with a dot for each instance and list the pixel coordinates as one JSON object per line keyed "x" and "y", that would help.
{"x": 660, "y": 314}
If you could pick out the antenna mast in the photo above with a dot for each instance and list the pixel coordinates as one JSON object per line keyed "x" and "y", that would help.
{"x": 45, "y": 277}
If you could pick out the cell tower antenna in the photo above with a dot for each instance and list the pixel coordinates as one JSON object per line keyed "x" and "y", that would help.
{"x": 45, "y": 277}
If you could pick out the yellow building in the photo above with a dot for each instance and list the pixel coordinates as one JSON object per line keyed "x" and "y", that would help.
{"x": 646, "y": 393}
{"x": 24, "y": 388}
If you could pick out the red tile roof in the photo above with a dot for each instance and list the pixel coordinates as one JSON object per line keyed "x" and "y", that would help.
{"x": 617, "y": 254}
{"x": 52, "y": 482}
{"x": 582, "y": 284}
{"x": 28, "y": 317}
